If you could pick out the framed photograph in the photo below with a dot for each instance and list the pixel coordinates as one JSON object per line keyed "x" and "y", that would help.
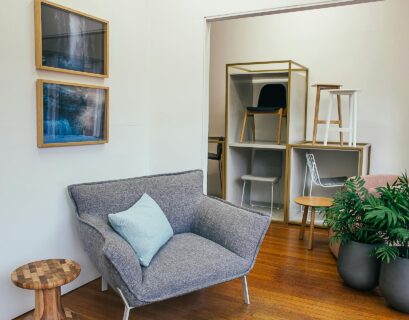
{"x": 70, "y": 41}
{"x": 71, "y": 114}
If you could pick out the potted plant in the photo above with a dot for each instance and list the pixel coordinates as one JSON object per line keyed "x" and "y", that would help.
{"x": 390, "y": 214}
{"x": 356, "y": 236}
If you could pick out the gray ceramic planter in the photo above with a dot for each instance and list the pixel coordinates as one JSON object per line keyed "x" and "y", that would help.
{"x": 356, "y": 267}
{"x": 394, "y": 284}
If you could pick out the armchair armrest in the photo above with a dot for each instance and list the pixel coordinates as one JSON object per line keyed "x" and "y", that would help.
{"x": 239, "y": 230}
{"x": 114, "y": 257}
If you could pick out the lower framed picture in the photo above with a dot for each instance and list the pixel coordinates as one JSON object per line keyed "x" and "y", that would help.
{"x": 71, "y": 114}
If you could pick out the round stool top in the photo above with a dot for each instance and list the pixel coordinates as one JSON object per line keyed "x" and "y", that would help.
{"x": 45, "y": 274}
{"x": 314, "y": 201}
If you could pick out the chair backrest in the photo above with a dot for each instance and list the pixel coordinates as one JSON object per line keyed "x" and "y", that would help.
{"x": 312, "y": 168}
{"x": 177, "y": 194}
{"x": 273, "y": 95}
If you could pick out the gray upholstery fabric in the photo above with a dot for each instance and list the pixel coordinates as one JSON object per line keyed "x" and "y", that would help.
{"x": 186, "y": 263}
{"x": 176, "y": 194}
{"x": 239, "y": 230}
{"x": 214, "y": 241}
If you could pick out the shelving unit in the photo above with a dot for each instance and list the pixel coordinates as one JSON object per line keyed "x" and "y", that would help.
{"x": 264, "y": 156}
{"x": 243, "y": 84}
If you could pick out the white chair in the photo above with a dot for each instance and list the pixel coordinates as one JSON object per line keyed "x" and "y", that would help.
{"x": 315, "y": 179}
{"x": 353, "y": 107}
{"x": 262, "y": 170}
{"x": 249, "y": 177}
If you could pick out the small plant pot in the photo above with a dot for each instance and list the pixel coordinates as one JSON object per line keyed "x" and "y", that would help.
{"x": 394, "y": 284}
{"x": 356, "y": 267}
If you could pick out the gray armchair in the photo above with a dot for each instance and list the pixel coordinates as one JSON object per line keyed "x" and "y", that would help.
{"x": 214, "y": 241}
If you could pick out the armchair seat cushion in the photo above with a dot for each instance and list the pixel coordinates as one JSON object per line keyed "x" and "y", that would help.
{"x": 189, "y": 262}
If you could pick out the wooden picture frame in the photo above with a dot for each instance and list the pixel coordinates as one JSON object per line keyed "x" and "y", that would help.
{"x": 70, "y": 41}
{"x": 71, "y": 114}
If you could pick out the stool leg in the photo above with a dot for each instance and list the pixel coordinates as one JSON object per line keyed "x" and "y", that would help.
{"x": 341, "y": 134}
{"x": 253, "y": 128}
{"x": 351, "y": 119}
{"x": 312, "y": 223}
{"x": 317, "y": 110}
{"x": 328, "y": 120}
{"x": 48, "y": 304}
{"x": 243, "y": 126}
{"x": 220, "y": 176}
{"x": 272, "y": 197}
{"x": 242, "y": 193}
{"x": 303, "y": 223}
{"x": 355, "y": 100}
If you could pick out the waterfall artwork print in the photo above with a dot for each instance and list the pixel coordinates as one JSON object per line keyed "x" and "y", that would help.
{"x": 71, "y": 114}
{"x": 70, "y": 41}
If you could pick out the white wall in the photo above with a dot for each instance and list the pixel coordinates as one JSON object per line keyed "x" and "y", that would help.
{"x": 36, "y": 214}
{"x": 363, "y": 46}
{"x": 177, "y": 70}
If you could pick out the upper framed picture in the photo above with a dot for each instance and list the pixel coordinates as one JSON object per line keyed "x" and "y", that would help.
{"x": 70, "y": 41}
{"x": 71, "y": 114}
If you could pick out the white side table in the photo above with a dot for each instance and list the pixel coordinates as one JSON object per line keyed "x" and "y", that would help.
{"x": 353, "y": 106}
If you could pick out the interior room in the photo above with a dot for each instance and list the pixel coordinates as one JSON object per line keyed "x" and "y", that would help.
{"x": 212, "y": 160}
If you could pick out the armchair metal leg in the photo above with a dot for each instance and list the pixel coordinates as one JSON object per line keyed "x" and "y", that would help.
{"x": 104, "y": 284}
{"x": 128, "y": 308}
{"x": 245, "y": 290}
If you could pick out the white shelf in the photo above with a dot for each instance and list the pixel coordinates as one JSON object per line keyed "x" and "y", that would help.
{"x": 258, "y": 145}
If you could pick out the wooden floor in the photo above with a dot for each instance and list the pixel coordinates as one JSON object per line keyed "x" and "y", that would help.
{"x": 287, "y": 282}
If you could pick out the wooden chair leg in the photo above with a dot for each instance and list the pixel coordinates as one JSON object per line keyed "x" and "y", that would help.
{"x": 243, "y": 126}
{"x": 303, "y": 223}
{"x": 253, "y": 127}
{"x": 312, "y": 223}
{"x": 317, "y": 110}
{"x": 341, "y": 134}
{"x": 280, "y": 124}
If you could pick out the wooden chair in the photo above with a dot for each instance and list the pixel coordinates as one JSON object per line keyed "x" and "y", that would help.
{"x": 321, "y": 87}
{"x": 272, "y": 100}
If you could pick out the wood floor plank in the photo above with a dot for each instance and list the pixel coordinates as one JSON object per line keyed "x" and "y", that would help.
{"x": 288, "y": 282}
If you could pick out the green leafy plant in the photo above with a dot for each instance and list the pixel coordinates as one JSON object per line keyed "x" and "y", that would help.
{"x": 389, "y": 213}
{"x": 347, "y": 215}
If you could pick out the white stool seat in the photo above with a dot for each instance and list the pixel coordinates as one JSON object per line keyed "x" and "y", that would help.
{"x": 250, "y": 177}
{"x": 346, "y": 92}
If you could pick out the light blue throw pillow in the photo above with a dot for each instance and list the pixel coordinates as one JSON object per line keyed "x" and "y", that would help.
{"x": 144, "y": 226}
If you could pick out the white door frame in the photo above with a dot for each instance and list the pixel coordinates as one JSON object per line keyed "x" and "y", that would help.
{"x": 319, "y": 4}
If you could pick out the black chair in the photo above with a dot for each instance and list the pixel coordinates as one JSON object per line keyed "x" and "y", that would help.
{"x": 272, "y": 100}
{"x": 217, "y": 156}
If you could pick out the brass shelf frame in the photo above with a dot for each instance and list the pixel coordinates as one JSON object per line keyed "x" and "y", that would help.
{"x": 289, "y": 67}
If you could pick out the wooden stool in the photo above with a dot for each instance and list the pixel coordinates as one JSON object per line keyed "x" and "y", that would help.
{"x": 353, "y": 107}
{"x": 312, "y": 202}
{"x": 321, "y": 87}
{"x": 46, "y": 277}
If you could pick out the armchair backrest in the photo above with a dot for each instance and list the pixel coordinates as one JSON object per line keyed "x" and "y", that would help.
{"x": 273, "y": 96}
{"x": 177, "y": 194}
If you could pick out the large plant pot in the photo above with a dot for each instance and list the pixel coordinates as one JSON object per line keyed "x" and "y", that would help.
{"x": 394, "y": 284}
{"x": 356, "y": 267}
